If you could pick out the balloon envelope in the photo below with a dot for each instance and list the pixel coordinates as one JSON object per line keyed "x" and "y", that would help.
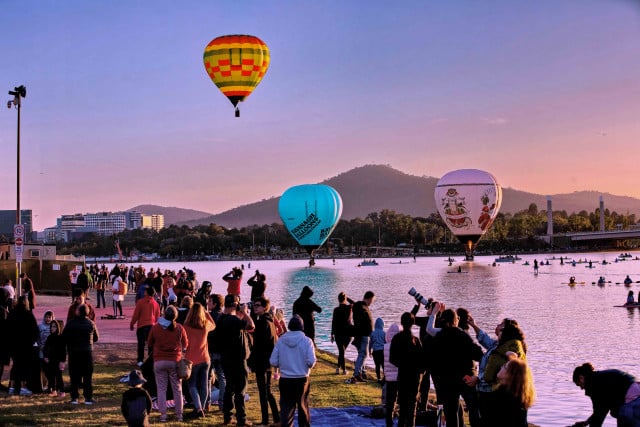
{"x": 468, "y": 201}
{"x": 310, "y": 212}
{"x": 236, "y": 64}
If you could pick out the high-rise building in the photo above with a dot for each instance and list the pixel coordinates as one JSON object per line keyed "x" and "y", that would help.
{"x": 106, "y": 223}
{"x": 155, "y": 222}
{"x": 8, "y": 220}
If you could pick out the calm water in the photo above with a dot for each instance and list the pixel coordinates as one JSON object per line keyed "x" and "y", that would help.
{"x": 564, "y": 326}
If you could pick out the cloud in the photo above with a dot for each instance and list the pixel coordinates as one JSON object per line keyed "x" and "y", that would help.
{"x": 495, "y": 121}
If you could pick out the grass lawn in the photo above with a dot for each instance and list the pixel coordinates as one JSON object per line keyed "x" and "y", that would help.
{"x": 115, "y": 360}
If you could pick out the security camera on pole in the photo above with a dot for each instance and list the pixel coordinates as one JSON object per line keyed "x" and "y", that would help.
{"x": 18, "y": 93}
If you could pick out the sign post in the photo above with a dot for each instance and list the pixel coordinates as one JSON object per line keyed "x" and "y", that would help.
{"x": 18, "y": 238}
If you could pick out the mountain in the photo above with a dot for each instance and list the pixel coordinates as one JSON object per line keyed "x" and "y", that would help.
{"x": 171, "y": 215}
{"x": 372, "y": 188}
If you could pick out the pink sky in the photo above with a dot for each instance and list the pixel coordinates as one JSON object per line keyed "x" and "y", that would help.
{"x": 544, "y": 95}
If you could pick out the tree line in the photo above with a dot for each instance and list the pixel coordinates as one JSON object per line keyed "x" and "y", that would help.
{"x": 521, "y": 231}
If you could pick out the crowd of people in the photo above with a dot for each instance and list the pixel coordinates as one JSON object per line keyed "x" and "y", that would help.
{"x": 225, "y": 340}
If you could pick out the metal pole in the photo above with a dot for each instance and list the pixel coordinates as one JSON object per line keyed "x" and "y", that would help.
{"x": 18, "y": 216}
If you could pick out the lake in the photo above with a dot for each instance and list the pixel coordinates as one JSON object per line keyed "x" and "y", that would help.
{"x": 564, "y": 326}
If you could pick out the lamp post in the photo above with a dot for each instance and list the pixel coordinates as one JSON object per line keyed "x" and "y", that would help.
{"x": 18, "y": 93}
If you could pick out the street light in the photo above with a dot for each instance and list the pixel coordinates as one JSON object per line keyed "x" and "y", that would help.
{"x": 18, "y": 93}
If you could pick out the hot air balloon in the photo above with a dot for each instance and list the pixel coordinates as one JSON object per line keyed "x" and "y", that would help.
{"x": 310, "y": 212}
{"x": 236, "y": 64}
{"x": 468, "y": 201}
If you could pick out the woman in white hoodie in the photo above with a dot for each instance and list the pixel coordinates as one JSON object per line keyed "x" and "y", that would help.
{"x": 294, "y": 354}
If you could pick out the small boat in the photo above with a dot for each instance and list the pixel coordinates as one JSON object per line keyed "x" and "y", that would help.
{"x": 368, "y": 263}
{"x": 508, "y": 258}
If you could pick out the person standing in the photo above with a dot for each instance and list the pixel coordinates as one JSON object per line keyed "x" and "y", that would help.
{"x": 136, "y": 402}
{"x": 234, "y": 325}
{"x": 28, "y": 289}
{"x": 294, "y": 354}
{"x": 214, "y": 343}
{"x": 453, "y": 353}
{"x": 305, "y": 307}
{"x": 23, "y": 335}
{"x": 342, "y": 329}
{"x": 405, "y": 353}
{"x": 264, "y": 340}
{"x": 610, "y": 390}
{"x": 84, "y": 281}
{"x": 233, "y": 279}
{"x": 145, "y": 314}
{"x": 376, "y": 344}
{"x": 119, "y": 289}
{"x": 79, "y": 335}
{"x": 258, "y": 283}
{"x": 78, "y": 300}
{"x": 515, "y": 393}
{"x": 390, "y": 376}
{"x": 168, "y": 340}
{"x": 198, "y": 324}
{"x": 362, "y": 328}
{"x": 55, "y": 356}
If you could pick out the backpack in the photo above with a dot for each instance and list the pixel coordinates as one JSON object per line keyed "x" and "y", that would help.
{"x": 122, "y": 288}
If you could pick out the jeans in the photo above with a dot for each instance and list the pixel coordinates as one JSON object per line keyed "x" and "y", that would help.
{"x": 263, "y": 381}
{"x": 199, "y": 385}
{"x": 216, "y": 366}
{"x": 363, "y": 349}
{"x": 166, "y": 373}
{"x": 100, "y": 297}
{"x": 629, "y": 414}
{"x": 342, "y": 342}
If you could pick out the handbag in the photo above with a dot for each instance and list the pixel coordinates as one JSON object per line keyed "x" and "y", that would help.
{"x": 184, "y": 366}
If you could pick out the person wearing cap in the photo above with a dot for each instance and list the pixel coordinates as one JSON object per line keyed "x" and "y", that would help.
{"x": 294, "y": 354}
{"x": 168, "y": 340}
{"x": 136, "y": 402}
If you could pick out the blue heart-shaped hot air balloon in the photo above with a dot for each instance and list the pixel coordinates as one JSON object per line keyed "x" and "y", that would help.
{"x": 310, "y": 212}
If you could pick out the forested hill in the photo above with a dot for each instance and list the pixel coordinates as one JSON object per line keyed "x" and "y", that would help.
{"x": 372, "y": 188}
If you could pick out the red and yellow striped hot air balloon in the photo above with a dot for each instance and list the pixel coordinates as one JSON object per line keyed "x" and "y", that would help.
{"x": 236, "y": 64}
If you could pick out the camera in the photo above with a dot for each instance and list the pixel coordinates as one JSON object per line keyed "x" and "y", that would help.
{"x": 418, "y": 297}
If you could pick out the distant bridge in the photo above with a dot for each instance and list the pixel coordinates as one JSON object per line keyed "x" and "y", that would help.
{"x": 601, "y": 235}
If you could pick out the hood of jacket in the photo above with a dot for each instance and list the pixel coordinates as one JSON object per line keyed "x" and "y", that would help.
{"x": 392, "y": 331}
{"x": 164, "y": 322}
{"x": 292, "y": 338}
{"x": 307, "y": 292}
{"x": 379, "y": 323}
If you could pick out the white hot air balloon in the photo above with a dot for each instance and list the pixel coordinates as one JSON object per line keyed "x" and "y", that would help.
{"x": 468, "y": 201}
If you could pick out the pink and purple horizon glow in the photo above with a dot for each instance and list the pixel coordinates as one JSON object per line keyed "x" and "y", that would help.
{"x": 119, "y": 111}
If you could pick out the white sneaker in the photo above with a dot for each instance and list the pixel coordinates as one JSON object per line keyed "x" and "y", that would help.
{"x": 25, "y": 392}
{"x": 140, "y": 364}
{"x": 12, "y": 390}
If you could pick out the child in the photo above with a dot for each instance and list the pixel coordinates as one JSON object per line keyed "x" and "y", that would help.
{"x": 44, "y": 329}
{"x": 136, "y": 402}
{"x": 54, "y": 356}
{"x": 281, "y": 328}
{"x": 376, "y": 346}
